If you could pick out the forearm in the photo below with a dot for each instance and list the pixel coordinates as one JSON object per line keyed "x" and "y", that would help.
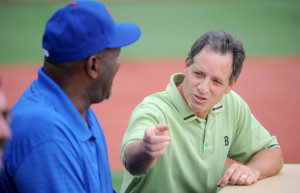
{"x": 140, "y": 156}
{"x": 137, "y": 160}
{"x": 266, "y": 163}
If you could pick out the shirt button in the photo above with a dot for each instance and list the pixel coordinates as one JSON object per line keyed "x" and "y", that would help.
{"x": 206, "y": 144}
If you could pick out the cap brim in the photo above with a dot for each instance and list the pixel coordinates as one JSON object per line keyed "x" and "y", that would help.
{"x": 127, "y": 33}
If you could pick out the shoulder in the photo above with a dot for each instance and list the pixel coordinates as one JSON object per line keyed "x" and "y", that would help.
{"x": 156, "y": 101}
{"x": 233, "y": 97}
{"x": 31, "y": 106}
{"x": 234, "y": 102}
{"x": 35, "y": 137}
{"x": 34, "y": 122}
{"x": 31, "y": 115}
{"x": 154, "y": 105}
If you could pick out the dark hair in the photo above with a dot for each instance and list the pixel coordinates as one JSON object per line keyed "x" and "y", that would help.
{"x": 222, "y": 42}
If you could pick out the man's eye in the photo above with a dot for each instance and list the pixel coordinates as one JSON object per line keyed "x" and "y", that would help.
{"x": 7, "y": 115}
{"x": 199, "y": 73}
{"x": 217, "y": 82}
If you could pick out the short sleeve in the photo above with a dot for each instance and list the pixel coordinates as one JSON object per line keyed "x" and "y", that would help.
{"x": 48, "y": 168}
{"x": 250, "y": 136}
{"x": 141, "y": 118}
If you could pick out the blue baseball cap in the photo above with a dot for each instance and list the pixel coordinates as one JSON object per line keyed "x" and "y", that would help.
{"x": 83, "y": 28}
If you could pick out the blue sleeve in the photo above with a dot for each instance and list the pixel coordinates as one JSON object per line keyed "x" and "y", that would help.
{"x": 50, "y": 168}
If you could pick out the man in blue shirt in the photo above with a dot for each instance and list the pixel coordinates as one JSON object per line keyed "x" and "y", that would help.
{"x": 57, "y": 143}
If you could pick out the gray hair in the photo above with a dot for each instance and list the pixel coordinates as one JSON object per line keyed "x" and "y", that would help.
{"x": 221, "y": 42}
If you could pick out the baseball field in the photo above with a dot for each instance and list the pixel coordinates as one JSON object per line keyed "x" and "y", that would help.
{"x": 269, "y": 82}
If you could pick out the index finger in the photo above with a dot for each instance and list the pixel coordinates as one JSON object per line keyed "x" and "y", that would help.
{"x": 162, "y": 127}
{"x": 227, "y": 175}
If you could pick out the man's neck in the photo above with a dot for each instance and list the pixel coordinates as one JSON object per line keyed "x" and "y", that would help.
{"x": 73, "y": 86}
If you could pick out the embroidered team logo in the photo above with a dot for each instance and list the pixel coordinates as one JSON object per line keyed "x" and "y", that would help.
{"x": 226, "y": 140}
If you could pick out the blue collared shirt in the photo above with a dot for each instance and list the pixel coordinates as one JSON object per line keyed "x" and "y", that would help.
{"x": 52, "y": 149}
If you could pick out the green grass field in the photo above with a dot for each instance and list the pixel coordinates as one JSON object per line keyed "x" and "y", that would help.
{"x": 267, "y": 27}
{"x": 117, "y": 178}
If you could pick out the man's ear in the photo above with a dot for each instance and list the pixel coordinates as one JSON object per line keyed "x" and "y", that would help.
{"x": 231, "y": 86}
{"x": 186, "y": 62}
{"x": 186, "y": 65}
{"x": 92, "y": 68}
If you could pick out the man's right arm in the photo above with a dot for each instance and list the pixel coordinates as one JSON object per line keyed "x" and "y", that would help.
{"x": 140, "y": 156}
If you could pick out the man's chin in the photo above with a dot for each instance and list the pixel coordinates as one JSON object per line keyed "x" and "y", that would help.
{"x": 99, "y": 100}
{"x": 108, "y": 95}
{"x": 199, "y": 108}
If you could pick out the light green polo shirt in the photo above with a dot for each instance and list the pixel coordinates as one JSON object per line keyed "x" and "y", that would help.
{"x": 195, "y": 158}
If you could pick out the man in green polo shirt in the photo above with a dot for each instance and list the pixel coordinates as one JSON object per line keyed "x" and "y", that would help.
{"x": 178, "y": 140}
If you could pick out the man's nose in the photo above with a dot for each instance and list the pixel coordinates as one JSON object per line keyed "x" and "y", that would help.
{"x": 204, "y": 86}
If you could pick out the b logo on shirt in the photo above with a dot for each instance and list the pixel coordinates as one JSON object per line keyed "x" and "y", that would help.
{"x": 226, "y": 140}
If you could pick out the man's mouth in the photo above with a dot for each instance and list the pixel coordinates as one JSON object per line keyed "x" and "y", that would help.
{"x": 200, "y": 99}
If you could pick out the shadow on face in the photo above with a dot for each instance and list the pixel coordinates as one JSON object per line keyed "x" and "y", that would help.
{"x": 4, "y": 120}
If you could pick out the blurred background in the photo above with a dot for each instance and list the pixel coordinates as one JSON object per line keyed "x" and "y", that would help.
{"x": 269, "y": 29}
{"x": 266, "y": 27}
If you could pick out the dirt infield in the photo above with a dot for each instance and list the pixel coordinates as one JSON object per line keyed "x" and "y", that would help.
{"x": 269, "y": 85}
